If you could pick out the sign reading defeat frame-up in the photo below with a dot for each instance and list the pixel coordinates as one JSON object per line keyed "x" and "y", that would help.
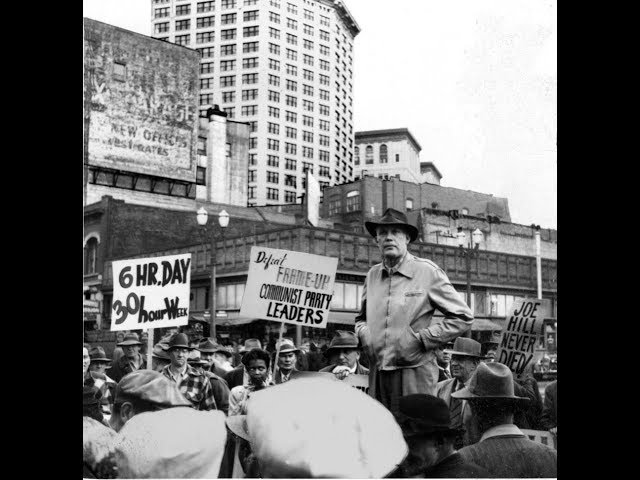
{"x": 141, "y": 101}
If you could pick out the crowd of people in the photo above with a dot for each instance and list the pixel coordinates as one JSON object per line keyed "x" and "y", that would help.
{"x": 438, "y": 405}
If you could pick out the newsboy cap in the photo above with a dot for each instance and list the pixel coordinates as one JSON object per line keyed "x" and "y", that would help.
{"x": 150, "y": 386}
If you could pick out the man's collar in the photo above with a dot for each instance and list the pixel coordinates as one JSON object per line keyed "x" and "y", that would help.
{"x": 404, "y": 266}
{"x": 502, "y": 430}
{"x": 181, "y": 372}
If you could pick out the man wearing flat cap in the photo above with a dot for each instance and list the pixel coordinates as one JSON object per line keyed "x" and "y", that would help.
{"x": 503, "y": 449}
{"x": 395, "y": 324}
{"x": 130, "y": 361}
{"x": 426, "y": 427}
{"x": 194, "y": 385}
{"x": 465, "y": 358}
{"x": 344, "y": 355}
{"x": 144, "y": 391}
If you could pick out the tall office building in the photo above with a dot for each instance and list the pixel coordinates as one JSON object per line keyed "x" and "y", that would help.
{"x": 284, "y": 66}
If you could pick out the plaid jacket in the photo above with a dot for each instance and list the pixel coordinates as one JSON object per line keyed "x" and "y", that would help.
{"x": 196, "y": 387}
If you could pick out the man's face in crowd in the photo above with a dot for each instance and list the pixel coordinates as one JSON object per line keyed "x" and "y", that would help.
{"x": 207, "y": 357}
{"x": 85, "y": 360}
{"x": 131, "y": 351}
{"x": 119, "y": 337}
{"x": 287, "y": 360}
{"x": 346, "y": 357}
{"x": 462, "y": 367}
{"x": 392, "y": 240}
{"x": 179, "y": 356}
{"x": 444, "y": 358}
{"x": 144, "y": 337}
{"x": 258, "y": 372}
{"x": 98, "y": 367}
{"x": 491, "y": 355}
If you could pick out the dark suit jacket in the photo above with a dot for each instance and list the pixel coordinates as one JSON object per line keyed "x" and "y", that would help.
{"x": 513, "y": 456}
{"x": 528, "y": 414}
{"x": 121, "y": 367}
{"x": 235, "y": 376}
{"x": 360, "y": 370}
{"x": 549, "y": 417}
{"x": 454, "y": 466}
{"x": 220, "y": 391}
{"x": 278, "y": 376}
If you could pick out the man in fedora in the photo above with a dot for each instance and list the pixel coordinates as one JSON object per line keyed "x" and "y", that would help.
{"x": 503, "y": 449}
{"x": 130, "y": 361}
{"x": 159, "y": 356}
{"x": 194, "y": 385}
{"x": 395, "y": 325}
{"x": 239, "y": 375}
{"x": 217, "y": 357}
{"x": 99, "y": 362}
{"x": 286, "y": 361}
{"x": 344, "y": 355}
{"x": 426, "y": 426}
{"x": 465, "y": 357}
{"x": 219, "y": 386}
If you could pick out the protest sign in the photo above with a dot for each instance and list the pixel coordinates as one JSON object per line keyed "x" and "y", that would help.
{"x": 151, "y": 292}
{"x": 524, "y": 327}
{"x": 361, "y": 382}
{"x": 289, "y": 287}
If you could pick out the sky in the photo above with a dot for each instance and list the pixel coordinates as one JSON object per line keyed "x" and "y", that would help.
{"x": 474, "y": 81}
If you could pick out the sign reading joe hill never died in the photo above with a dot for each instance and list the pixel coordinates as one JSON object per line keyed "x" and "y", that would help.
{"x": 289, "y": 287}
{"x": 151, "y": 292}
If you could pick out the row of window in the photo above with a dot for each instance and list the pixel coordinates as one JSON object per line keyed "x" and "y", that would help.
{"x": 289, "y": 180}
{"x": 383, "y": 155}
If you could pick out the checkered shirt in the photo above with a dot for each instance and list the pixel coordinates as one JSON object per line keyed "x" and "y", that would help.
{"x": 196, "y": 387}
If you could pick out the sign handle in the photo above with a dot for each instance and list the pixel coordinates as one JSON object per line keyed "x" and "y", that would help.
{"x": 275, "y": 361}
{"x": 149, "y": 347}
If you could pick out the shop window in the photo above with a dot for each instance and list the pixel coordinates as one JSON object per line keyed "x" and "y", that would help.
{"x": 91, "y": 256}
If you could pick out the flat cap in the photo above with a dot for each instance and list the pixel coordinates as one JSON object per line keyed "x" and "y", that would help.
{"x": 152, "y": 387}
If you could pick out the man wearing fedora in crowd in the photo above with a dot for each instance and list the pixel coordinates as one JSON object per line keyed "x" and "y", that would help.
{"x": 217, "y": 357}
{"x": 159, "y": 356}
{"x": 465, "y": 357}
{"x": 194, "y": 385}
{"x": 344, "y": 355}
{"x": 395, "y": 325}
{"x": 286, "y": 362}
{"x": 503, "y": 449}
{"x": 426, "y": 426}
{"x": 99, "y": 362}
{"x": 219, "y": 386}
{"x": 130, "y": 361}
{"x": 239, "y": 375}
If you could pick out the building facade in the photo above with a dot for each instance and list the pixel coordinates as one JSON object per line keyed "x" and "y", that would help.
{"x": 286, "y": 68}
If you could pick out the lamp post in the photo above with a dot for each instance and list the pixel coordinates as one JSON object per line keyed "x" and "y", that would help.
{"x": 469, "y": 251}
{"x": 536, "y": 230}
{"x": 223, "y": 220}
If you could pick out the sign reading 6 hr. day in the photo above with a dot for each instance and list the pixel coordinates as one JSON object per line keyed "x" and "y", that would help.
{"x": 151, "y": 292}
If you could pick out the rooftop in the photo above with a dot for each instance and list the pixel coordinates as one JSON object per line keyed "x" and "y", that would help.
{"x": 391, "y": 132}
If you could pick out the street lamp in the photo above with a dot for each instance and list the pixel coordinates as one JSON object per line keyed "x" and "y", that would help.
{"x": 469, "y": 251}
{"x": 223, "y": 220}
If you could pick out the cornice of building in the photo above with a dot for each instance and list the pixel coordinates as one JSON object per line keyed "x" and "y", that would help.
{"x": 362, "y": 137}
{"x": 344, "y": 14}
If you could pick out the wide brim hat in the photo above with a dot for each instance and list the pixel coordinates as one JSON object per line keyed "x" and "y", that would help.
{"x": 207, "y": 346}
{"x": 421, "y": 414}
{"x": 491, "y": 381}
{"x": 466, "y": 347}
{"x": 226, "y": 350}
{"x": 342, "y": 339}
{"x": 97, "y": 354}
{"x": 287, "y": 346}
{"x": 392, "y": 217}
{"x": 130, "y": 339}
{"x": 179, "y": 340}
{"x": 238, "y": 425}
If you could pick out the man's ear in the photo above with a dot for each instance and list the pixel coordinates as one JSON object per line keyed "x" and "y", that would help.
{"x": 126, "y": 412}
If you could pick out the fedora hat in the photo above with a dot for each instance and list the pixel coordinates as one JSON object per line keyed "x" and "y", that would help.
{"x": 238, "y": 425}
{"x": 97, "y": 355}
{"x": 466, "y": 347}
{"x": 179, "y": 340}
{"x": 195, "y": 359}
{"x": 206, "y": 345}
{"x": 423, "y": 414}
{"x": 343, "y": 339}
{"x": 287, "y": 346}
{"x": 130, "y": 339}
{"x": 490, "y": 381}
{"x": 250, "y": 344}
{"x": 393, "y": 217}
{"x": 228, "y": 351}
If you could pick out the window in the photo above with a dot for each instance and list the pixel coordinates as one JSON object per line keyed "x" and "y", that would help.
{"x": 409, "y": 204}
{"x": 273, "y": 144}
{"x": 183, "y": 39}
{"x": 292, "y": 101}
{"x": 290, "y": 164}
{"x": 308, "y": 14}
{"x": 228, "y": 34}
{"x": 308, "y": 60}
{"x": 201, "y": 176}
{"x": 292, "y": 85}
{"x": 307, "y": 152}
{"x": 229, "y": 296}
{"x": 324, "y": 140}
{"x": 183, "y": 24}
{"x": 383, "y": 154}
{"x": 289, "y": 197}
{"x": 230, "y": 111}
{"x": 307, "y": 105}
{"x": 292, "y": 39}
{"x": 353, "y": 201}
{"x": 228, "y": 19}
{"x": 308, "y": 44}
{"x": 273, "y": 128}
{"x": 308, "y": 75}
{"x": 252, "y": 176}
{"x": 275, "y": 49}
{"x": 251, "y": 62}
{"x": 292, "y": 54}
{"x": 206, "y": 6}
{"x": 357, "y": 161}
{"x": 274, "y": 3}
{"x": 308, "y": 29}
{"x": 252, "y": 193}
{"x": 274, "y": 64}
{"x": 249, "y": 110}
{"x": 291, "y": 132}
{"x": 291, "y": 8}
{"x": 307, "y": 136}
{"x": 307, "y": 121}
{"x": 274, "y": 17}
{"x": 290, "y": 148}
{"x": 323, "y": 155}
{"x": 306, "y": 166}
{"x": 397, "y": 157}
{"x": 250, "y": 16}
{"x": 183, "y": 9}
{"x": 335, "y": 206}
{"x": 274, "y": 112}
{"x": 250, "y": 2}
{"x": 161, "y": 12}
{"x": 249, "y": 78}
{"x": 324, "y": 110}
{"x": 90, "y": 256}
{"x": 272, "y": 177}
{"x": 250, "y": 47}
{"x": 119, "y": 71}
{"x": 206, "y": 52}
{"x": 227, "y": 65}
{"x": 206, "y": 83}
{"x": 204, "y": 22}
{"x": 272, "y": 194}
{"x": 291, "y": 117}
{"x": 227, "y": 4}
{"x": 324, "y": 80}
{"x": 292, "y": 70}
{"x": 324, "y": 20}
{"x": 206, "y": 67}
{"x": 324, "y": 50}
{"x": 274, "y": 80}
{"x": 161, "y": 27}
{"x": 324, "y": 125}
{"x": 250, "y": 31}
{"x": 228, "y": 97}
{"x": 274, "y": 32}
{"x": 274, "y": 96}
{"x": 205, "y": 37}
{"x": 324, "y": 64}
{"x": 253, "y": 159}
{"x": 290, "y": 181}
{"x": 324, "y": 171}
{"x": 324, "y": 35}
{"x": 369, "y": 155}
{"x": 253, "y": 143}
{"x": 273, "y": 160}
{"x": 292, "y": 24}
{"x": 228, "y": 81}
{"x": 226, "y": 50}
